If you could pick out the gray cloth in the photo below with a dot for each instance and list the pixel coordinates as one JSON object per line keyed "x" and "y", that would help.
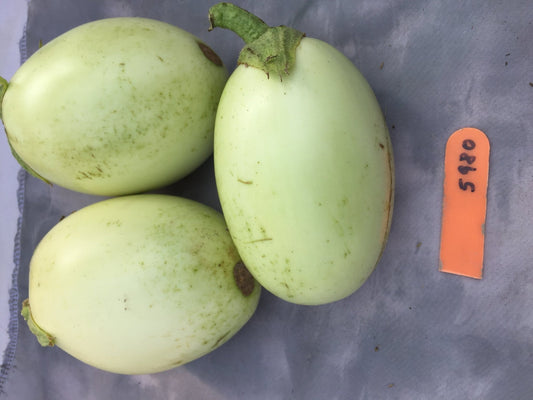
{"x": 411, "y": 332}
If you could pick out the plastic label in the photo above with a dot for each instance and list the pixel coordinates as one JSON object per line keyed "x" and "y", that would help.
{"x": 466, "y": 172}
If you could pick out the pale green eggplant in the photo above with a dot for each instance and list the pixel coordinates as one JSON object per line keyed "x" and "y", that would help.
{"x": 114, "y": 106}
{"x": 139, "y": 284}
{"x": 303, "y": 163}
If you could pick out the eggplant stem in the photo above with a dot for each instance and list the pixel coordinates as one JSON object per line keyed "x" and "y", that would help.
{"x": 243, "y": 23}
{"x": 270, "y": 49}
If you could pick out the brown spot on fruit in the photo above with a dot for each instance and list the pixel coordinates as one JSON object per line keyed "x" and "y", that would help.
{"x": 244, "y": 279}
{"x": 220, "y": 339}
{"x": 210, "y": 54}
{"x": 389, "y": 203}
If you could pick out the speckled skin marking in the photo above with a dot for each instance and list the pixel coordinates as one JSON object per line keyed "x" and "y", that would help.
{"x": 139, "y": 284}
{"x": 305, "y": 175}
{"x": 116, "y": 106}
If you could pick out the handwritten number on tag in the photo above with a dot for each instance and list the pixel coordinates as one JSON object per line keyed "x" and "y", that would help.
{"x": 464, "y": 169}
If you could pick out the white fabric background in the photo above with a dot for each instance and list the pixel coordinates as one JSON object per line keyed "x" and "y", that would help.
{"x": 12, "y": 21}
{"x": 411, "y": 332}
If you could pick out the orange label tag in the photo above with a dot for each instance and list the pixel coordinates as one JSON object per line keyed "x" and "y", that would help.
{"x": 466, "y": 173}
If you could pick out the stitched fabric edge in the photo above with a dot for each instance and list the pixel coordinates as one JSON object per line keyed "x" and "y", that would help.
{"x": 8, "y": 358}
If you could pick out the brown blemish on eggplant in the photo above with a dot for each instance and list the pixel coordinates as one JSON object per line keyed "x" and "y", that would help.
{"x": 210, "y": 54}
{"x": 244, "y": 279}
{"x": 266, "y": 239}
{"x": 220, "y": 339}
{"x": 389, "y": 203}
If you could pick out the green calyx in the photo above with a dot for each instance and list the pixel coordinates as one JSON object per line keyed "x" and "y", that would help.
{"x": 3, "y": 89}
{"x": 44, "y": 338}
{"x": 270, "y": 49}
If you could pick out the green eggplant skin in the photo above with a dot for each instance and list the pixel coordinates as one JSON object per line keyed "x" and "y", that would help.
{"x": 305, "y": 175}
{"x": 139, "y": 284}
{"x": 115, "y": 106}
